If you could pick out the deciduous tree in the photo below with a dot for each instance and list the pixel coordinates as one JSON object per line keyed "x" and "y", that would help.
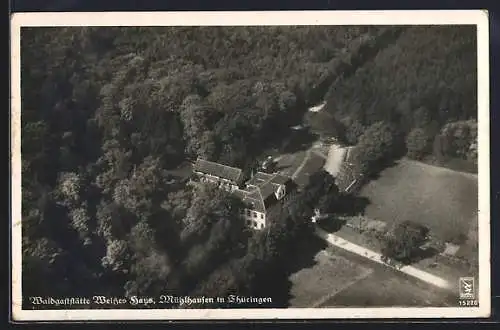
{"x": 417, "y": 143}
{"x": 402, "y": 242}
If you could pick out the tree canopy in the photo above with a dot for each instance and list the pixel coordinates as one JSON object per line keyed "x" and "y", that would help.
{"x": 109, "y": 113}
{"x": 403, "y": 240}
{"x": 423, "y": 81}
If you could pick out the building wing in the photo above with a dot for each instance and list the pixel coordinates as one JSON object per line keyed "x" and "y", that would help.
{"x": 261, "y": 191}
{"x": 252, "y": 198}
{"x": 218, "y": 170}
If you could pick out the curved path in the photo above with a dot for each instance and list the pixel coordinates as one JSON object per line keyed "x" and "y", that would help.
{"x": 376, "y": 257}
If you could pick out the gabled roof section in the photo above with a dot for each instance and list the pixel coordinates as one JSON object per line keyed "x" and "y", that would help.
{"x": 219, "y": 170}
{"x": 280, "y": 179}
{"x": 255, "y": 204}
{"x": 267, "y": 190}
{"x": 259, "y": 178}
{"x": 241, "y": 194}
{"x": 264, "y": 187}
{"x": 263, "y": 176}
{"x": 252, "y": 197}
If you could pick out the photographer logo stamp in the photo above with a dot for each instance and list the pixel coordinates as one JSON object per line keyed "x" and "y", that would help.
{"x": 467, "y": 288}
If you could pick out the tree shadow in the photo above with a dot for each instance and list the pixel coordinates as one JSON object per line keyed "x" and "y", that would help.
{"x": 276, "y": 286}
{"x": 416, "y": 255}
{"x": 332, "y": 224}
{"x": 350, "y": 205}
{"x": 382, "y": 166}
{"x": 304, "y": 253}
{"x": 420, "y": 254}
{"x": 279, "y": 168}
{"x": 276, "y": 282}
{"x": 299, "y": 141}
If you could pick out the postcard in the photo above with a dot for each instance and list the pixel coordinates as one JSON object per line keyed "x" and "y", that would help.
{"x": 250, "y": 165}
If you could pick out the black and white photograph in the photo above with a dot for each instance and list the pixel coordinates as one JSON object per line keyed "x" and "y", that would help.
{"x": 250, "y": 165}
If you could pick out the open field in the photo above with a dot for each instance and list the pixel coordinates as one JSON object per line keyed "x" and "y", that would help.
{"x": 455, "y": 164}
{"x": 444, "y": 200}
{"x": 444, "y": 267}
{"x": 438, "y": 265}
{"x": 336, "y": 157}
{"x": 329, "y": 275}
{"x": 375, "y": 257}
{"x": 360, "y": 239}
{"x": 339, "y": 278}
{"x": 313, "y": 164}
{"x": 288, "y": 163}
{"x": 385, "y": 288}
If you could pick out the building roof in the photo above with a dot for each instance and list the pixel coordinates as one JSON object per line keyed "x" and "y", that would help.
{"x": 260, "y": 190}
{"x": 252, "y": 197}
{"x": 239, "y": 193}
{"x": 259, "y": 178}
{"x": 218, "y": 170}
{"x": 280, "y": 179}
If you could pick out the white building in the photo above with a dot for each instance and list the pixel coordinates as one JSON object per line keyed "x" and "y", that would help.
{"x": 263, "y": 194}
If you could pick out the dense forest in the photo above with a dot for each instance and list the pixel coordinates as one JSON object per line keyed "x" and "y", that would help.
{"x": 424, "y": 86}
{"x": 110, "y": 114}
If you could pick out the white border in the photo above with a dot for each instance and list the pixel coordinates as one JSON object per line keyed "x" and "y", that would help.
{"x": 423, "y": 17}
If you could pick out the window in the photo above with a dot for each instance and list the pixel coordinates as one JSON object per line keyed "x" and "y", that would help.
{"x": 248, "y": 212}
{"x": 254, "y": 214}
{"x": 249, "y": 222}
{"x": 262, "y": 216}
{"x": 261, "y": 225}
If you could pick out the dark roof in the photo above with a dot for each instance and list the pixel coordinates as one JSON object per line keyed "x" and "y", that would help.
{"x": 218, "y": 170}
{"x": 261, "y": 178}
{"x": 267, "y": 190}
{"x": 260, "y": 191}
{"x": 270, "y": 201}
{"x": 251, "y": 197}
{"x": 258, "y": 179}
{"x": 261, "y": 188}
{"x": 280, "y": 179}
{"x": 255, "y": 204}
